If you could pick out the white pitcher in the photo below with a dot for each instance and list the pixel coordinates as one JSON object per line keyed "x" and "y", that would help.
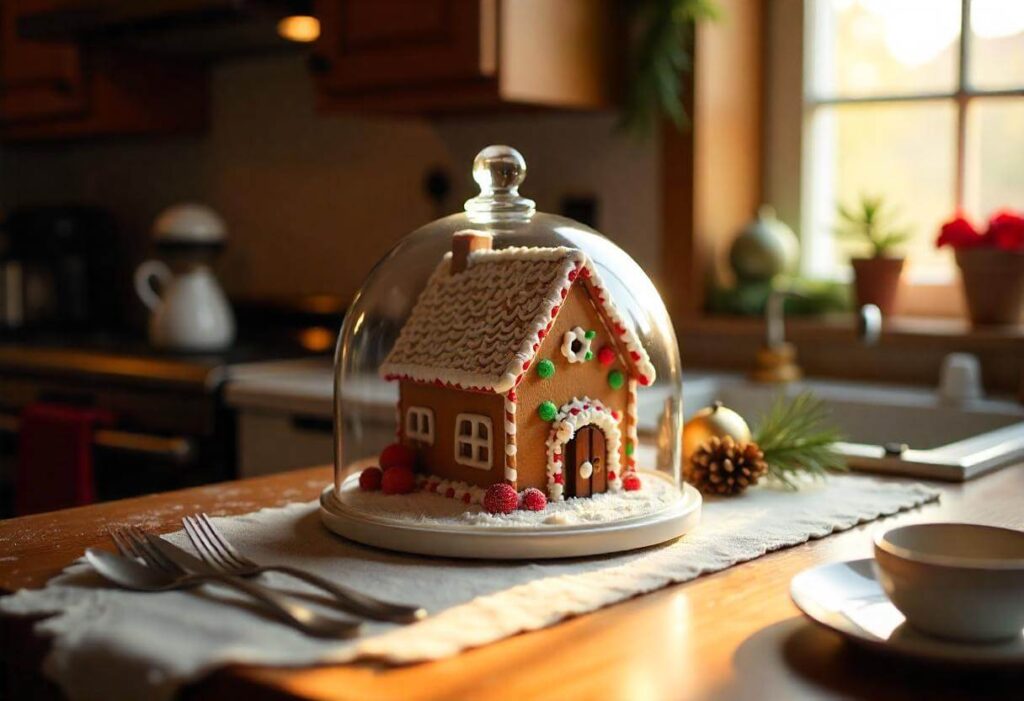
{"x": 188, "y": 311}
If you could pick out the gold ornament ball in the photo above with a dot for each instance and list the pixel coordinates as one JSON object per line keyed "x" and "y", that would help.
{"x": 715, "y": 420}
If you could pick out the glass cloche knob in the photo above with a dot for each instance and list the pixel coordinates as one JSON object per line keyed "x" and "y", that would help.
{"x": 499, "y": 171}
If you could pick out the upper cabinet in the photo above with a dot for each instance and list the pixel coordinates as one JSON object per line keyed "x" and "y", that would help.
{"x": 77, "y": 68}
{"x": 452, "y": 55}
{"x": 37, "y": 81}
{"x": 59, "y": 89}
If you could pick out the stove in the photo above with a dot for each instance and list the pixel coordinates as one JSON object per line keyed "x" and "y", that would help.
{"x": 173, "y": 428}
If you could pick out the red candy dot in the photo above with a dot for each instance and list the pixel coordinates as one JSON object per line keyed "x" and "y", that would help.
{"x": 398, "y": 480}
{"x": 397, "y": 455}
{"x": 369, "y": 479}
{"x": 501, "y": 498}
{"x": 533, "y": 500}
{"x": 631, "y": 482}
{"x": 606, "y": 356}
{"x": 450, "y": 492}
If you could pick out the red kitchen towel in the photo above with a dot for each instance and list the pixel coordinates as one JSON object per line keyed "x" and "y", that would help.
{"x": 55, "y": 457}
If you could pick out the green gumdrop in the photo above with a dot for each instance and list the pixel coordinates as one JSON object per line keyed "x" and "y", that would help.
{"x": 616, "y": 379}
{"x": 547, "y": 411}
{"x": 588, "y": 356}
{"x": 629, "y": 447}
{"x": 590, "y": 334}
{"x": 545, "y": 369}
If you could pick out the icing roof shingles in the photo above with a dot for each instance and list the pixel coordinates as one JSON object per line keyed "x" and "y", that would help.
{"x": 480, "y": 329}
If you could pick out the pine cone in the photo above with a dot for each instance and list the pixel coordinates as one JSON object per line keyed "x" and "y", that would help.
{"x": 723, "y": 466}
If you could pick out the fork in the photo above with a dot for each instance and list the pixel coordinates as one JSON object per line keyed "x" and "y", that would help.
{"x": 217, "y": 552}
{"x": 164, "y": 575}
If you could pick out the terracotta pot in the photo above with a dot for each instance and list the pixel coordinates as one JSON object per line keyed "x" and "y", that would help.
{"x": 876, "y": 280}
{"x": 993, "y": 282}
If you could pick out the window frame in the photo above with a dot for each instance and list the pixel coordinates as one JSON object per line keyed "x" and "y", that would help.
{"x": 420, "y": 412}
{"x": 790, "y": 122}
{"x": 475, "y": 442}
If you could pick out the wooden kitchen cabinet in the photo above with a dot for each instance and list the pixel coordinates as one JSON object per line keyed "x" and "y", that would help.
{"x": 37, "y": 81}
{"x": 56, "y": 89}
{"x": 450, "y": 55}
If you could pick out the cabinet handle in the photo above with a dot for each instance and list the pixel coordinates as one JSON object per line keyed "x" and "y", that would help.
{"x": 177, "y": 448}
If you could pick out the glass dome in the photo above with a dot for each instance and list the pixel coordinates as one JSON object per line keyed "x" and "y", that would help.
{"x": 629, "y": 347}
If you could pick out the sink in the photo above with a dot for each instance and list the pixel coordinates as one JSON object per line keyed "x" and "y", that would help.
{"x": 888, "y": 429}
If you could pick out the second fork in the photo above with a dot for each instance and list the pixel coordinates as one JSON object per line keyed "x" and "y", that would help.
{"x": 217, "y": 552}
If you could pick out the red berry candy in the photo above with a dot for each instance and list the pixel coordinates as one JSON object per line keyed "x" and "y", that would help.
{"x": 397, "y": 455}
{"x": 631, "y": 483}
{"x": 369, "y": 479}
{"x": 606, "y": 356}
{"x": 398, "y": 480}
{"x": 501, "y": 498}
{"x": 533, "y": 500}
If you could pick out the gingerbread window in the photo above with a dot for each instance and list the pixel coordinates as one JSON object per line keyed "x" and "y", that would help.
{"x": 419, "y": 424}
{"x": 473, "y": 441}
{"x": 576, "y": 345}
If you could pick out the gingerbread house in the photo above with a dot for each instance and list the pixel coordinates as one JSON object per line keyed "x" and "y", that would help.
{"x": 515, "y": 366}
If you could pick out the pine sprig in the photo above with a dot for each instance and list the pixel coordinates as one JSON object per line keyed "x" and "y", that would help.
{"x": 661, "y": 54}
{"x": 797, "y": 437}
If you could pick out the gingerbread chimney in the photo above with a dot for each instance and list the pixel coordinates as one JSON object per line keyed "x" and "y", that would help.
{"x": 465, "y": 242}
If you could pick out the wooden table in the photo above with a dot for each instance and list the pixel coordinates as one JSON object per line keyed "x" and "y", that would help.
{"x": 734, "y": 634}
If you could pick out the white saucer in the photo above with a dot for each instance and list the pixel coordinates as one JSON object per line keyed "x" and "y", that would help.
{"x": 845, "y": 597}
{"x": 451, "y": 538}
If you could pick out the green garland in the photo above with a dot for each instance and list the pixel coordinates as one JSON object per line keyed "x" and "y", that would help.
{"x": 660, "y": 54}
{"x": 797, "y": 437}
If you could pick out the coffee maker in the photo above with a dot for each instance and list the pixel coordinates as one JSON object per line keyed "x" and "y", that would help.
{"x": 59, "y": 267}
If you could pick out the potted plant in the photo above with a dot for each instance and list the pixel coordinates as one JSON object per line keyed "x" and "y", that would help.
{"x": 875, "y": 278}
{"x": 991, "y": 265}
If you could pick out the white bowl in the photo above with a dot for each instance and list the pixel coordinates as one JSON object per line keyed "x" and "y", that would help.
{"x": 955, "y": 580}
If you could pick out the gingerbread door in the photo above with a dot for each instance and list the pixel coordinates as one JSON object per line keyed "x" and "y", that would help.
{"x": 586, "y": 457}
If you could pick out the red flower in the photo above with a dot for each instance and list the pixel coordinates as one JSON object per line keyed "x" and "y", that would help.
{"x": 959, "y": 233}
{"x": 1006, "y": 230}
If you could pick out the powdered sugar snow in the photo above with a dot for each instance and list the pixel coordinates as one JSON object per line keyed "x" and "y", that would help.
{"x": 428, "y": 509}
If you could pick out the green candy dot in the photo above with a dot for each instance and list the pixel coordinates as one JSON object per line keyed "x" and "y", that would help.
{"x": 629, "y": 447}
{"x": 547, "y": 411}
{"x": 590, "y": 334}
{"x": 588, "y": 356}
{"x": 616, "y": 379}
{"x": 545, "y": 369}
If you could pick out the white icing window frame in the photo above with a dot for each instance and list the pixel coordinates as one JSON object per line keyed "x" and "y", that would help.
{"x": 476, "y": 443}
{"x": 414, "y": 418}
{"x": 572, "y": 336}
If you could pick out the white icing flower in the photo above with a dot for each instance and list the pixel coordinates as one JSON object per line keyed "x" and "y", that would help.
{"x": 576, "y": 345}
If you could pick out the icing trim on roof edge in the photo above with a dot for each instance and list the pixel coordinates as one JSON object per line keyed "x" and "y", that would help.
{"x": 577, "y": 263}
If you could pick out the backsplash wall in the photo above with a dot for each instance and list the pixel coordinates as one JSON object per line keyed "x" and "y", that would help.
{"x": 312, "y": 201}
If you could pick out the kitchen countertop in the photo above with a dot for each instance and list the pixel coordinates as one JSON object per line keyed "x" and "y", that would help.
{"x": 294, "y": 387}
{"x": 733, "y": 634}
{"x": 115, "y": 360}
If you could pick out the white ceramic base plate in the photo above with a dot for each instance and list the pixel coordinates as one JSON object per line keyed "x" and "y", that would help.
{"x": 513, "y": 543}
{"x": 846, "y": 598}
